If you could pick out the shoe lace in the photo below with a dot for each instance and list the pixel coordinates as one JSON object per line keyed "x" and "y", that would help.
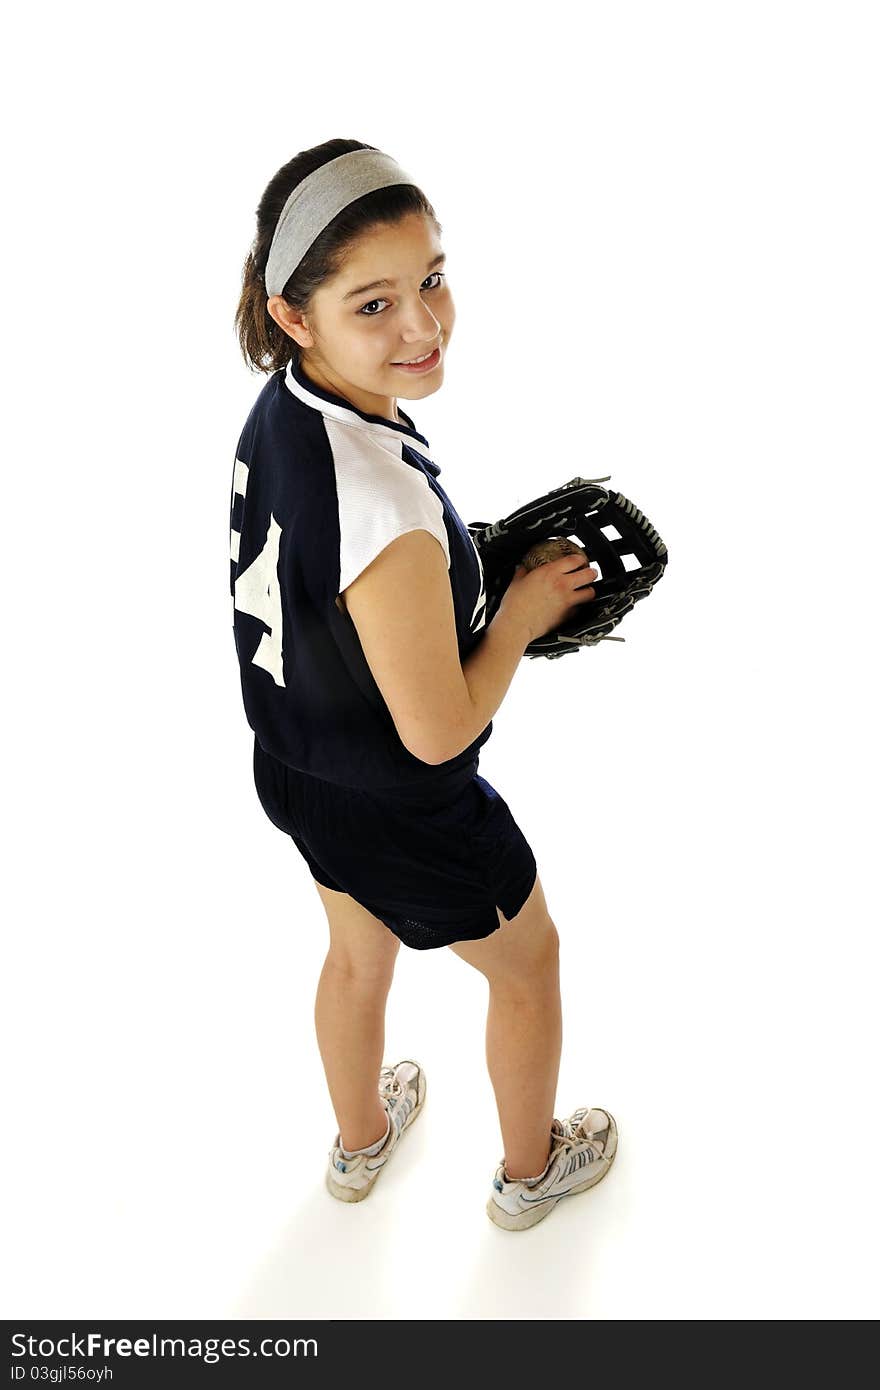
{"x": 389, "y": 1088}
{"x": 562, "y": 1140}
{"x": 568, "y": 1134}
{"x": 573, "y": 1120}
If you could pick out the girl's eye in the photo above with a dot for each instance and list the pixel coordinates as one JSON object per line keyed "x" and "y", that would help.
{"x": 440, "y": 276}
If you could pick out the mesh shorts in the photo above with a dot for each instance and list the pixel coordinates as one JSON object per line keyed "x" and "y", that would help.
{"x": 431, "y": 863}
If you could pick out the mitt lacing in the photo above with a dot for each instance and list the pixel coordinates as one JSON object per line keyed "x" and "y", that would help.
{"x": 589, "y": 641}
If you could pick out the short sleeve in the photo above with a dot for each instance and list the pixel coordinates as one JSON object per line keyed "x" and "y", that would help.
{"x": 380, "y": 497}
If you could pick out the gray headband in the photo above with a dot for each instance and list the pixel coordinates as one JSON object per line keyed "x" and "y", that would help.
{"x": 316, "y": 201}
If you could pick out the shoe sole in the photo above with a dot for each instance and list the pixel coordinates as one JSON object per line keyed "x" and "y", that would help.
{"x": 357, "y": 1194}
{"x": 523, "y": 1220}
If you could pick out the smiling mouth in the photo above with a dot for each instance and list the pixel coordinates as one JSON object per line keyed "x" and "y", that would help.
{"x": 414, "y": 361}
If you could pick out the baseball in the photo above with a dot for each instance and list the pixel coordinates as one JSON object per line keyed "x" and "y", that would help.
{"x": 545, "y": 551}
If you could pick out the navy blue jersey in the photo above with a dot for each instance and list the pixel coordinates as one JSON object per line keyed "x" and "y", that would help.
{"x": 319, "y": 488}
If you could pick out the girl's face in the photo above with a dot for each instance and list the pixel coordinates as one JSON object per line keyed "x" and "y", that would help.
{"x": 356, "y": 330}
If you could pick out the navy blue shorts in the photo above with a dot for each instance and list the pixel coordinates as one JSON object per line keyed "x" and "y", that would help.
{"x": 431, "y": 863}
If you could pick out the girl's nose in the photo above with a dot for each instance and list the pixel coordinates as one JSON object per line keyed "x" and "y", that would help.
{"x": 421, "y": 324}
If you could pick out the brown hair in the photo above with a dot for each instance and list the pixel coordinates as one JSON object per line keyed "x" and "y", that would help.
{"x": 264, "y": 344}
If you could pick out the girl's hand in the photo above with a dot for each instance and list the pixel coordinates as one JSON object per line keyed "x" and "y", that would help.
{"x": 543, "y": 598}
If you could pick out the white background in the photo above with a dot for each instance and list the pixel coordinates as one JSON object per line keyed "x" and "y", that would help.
{"x": 662, "y": 229}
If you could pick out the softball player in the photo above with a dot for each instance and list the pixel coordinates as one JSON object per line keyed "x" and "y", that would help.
{"x": 369, "y": 676}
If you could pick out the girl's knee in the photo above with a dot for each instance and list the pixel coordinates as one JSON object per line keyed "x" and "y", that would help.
{"x": 519, "y": 959}
{"x": 369, "y": 971}
{"x": 361, "y": 946}
{"x": 541, "y": 957}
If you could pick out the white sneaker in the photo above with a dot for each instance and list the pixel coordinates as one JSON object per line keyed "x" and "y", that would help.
{"x": 582, "y": 1149}
{"x": 402, "y": 1089}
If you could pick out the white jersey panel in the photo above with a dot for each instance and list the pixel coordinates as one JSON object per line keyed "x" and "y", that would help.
{"x": 380, "y": 498}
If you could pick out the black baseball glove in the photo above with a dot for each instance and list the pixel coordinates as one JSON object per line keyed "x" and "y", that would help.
{"x": 584, "y": 511}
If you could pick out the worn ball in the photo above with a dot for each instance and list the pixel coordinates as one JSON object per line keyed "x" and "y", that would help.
{"x": 545, "y": 551}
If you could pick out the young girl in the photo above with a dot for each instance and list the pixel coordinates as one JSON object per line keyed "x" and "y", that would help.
{"x": 370, "y": 677}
